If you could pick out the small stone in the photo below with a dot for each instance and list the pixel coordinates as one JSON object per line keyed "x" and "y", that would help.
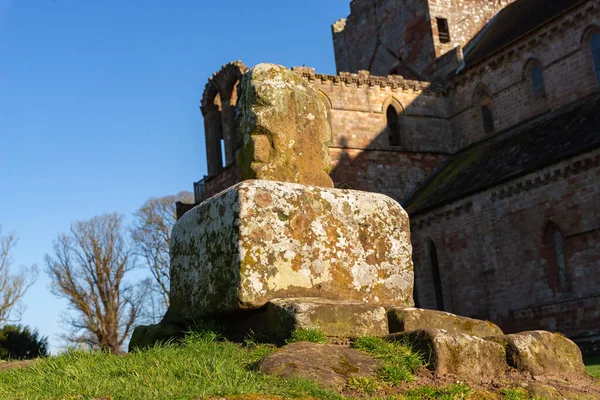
{"x": 334, "y": 318}
{"x": 464, "y": 356}
{"x": 412, "y": 319}
{"x": 146, "y": 336}
{"x": 542, "y": 353}
{"x": 329, "y": 365}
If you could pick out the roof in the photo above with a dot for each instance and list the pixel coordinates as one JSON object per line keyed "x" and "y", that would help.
{"x": 512, "y": 22}
{"x": 534, "y": 145}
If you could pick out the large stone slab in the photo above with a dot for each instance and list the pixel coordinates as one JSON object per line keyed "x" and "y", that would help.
{"x": 284, "y": 128}
{"x": 335, "y": 318}
{"x": 464, "y": 356}
{"x": 412, "y": 319}
{"x": 262, "y": 240}
{"x": 331, "y": 366}
{"x": 542, "y": 353}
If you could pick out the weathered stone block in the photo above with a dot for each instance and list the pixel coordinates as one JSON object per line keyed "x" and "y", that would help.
{"x": 542, "y": 353}
{"x": 262, "y": 240}
{"x": 284, "y": 128}
{"x": 467, "y": 357}
{"x": 412, "y": 319}
{"x": 329, "y": 365}
{"x": 332, "y": 317}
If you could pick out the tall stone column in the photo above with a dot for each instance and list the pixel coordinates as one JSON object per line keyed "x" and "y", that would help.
{"x": 213, "y": 134}
{"x": 228, "y": 133}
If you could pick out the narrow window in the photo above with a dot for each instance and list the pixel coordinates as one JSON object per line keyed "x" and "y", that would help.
{"x": 223, "y": 157}
{"x": 561, "y": 265}
{"x": 537, "y": 80}
{"x": 443, "y": 31}
{"x": 393, "y": 125}
{"x": 596, "y": 54}
{"x": 488, "y": 119}
{"x": 437, "y": 280}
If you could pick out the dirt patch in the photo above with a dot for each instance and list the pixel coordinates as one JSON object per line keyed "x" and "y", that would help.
{"x": 6, "y": 365}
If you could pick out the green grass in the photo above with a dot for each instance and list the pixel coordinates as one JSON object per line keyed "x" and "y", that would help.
{"x": 592, "y": 366}
{"x": 198, "y": 367}
{"x": 399, "y": 361}
{"x": 307, "y": 335}
{"x": 458, "y": 391}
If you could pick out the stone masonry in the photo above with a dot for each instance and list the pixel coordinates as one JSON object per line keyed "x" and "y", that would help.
{"x": 494, "y": 257}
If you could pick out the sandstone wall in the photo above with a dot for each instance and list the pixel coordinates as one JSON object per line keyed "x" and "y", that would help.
{"x": 495, "y": 262}
{"x": 562, "y": 50}
{"x": 378, "y": 33}
{"x": 465, "y": 19}
{"x": 402, "y": 36}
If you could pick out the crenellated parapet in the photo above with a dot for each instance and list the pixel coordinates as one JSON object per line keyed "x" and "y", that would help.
{"x": 364, "y": 78}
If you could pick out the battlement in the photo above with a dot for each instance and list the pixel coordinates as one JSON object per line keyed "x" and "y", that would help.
{"x": 364, "y": 77}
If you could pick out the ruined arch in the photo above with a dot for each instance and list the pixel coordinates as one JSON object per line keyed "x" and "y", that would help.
{"x": 218, "y": 106}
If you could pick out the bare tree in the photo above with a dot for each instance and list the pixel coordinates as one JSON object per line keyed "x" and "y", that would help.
{"x": 151, "y": 234}
{"x": 12, "y": 287}
{"x": 88, "y": 269}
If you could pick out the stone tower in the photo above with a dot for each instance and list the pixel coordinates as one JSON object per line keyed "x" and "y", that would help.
{"x": 405, "y": 37}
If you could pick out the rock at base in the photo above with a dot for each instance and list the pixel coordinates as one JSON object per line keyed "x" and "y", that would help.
{"x": 464, "y": 356}
{"x": 412, "y": 319}
{"x": 261, "y": 240}
{"x": 542, "y": 353}
{"x": 329, "y": 365}
{"x": 332, "y": 317}
{"x": 146, "y": 336}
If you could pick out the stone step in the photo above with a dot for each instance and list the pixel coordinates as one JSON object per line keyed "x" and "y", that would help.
{"x": 412, "y": 319}
{"x": 541, "y": 353}
{"x": 464, "y": 356}
{"x": 334, "y": 318}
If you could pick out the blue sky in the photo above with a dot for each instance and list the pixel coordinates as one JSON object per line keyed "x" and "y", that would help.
{"x": 99, "y": 105}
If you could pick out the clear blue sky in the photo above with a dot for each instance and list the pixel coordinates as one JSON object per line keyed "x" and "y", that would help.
{"x": 99, "y": 105}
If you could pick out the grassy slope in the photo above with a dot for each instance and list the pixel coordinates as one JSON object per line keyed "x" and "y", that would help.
{"x": 592, "y": 366}
{"x": 201, "y": 367}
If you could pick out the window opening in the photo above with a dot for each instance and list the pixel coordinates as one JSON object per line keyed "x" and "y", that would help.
{"x": 488, "y": 119}
{"x": 443, "y": 31}
{"x": 537, "y": 80}
{"x": 437, "y": 280}
{"x": 596, "y": 54}
{"x": 223, "y": 157}
{"x": 561, "y": 265}
{"x": 393, "y": 126}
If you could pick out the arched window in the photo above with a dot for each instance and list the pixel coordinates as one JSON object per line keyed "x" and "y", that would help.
{"x": 537, "y": 81}
{"x": 482, "y": 99}
{"x": 437, "y": 279}
{"x": 559, "y": 254}
{"x": 488, "y": 118}
{"x": 555, "y": 242}
{"x": 393, "y": 125}
{"x": 595, "y": 43}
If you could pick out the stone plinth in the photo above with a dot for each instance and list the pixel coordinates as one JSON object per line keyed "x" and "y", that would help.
{"x": 261, "y": 240}
{"x": 334, "y": 318}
